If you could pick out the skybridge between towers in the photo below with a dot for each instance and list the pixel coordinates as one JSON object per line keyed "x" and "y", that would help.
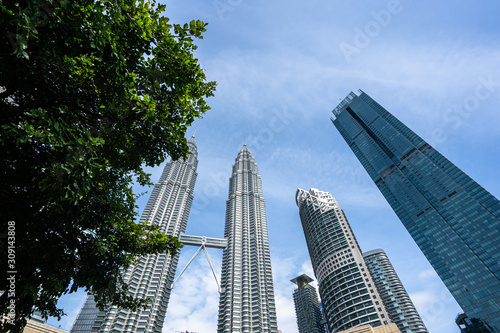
{"x": 203, "y": 242}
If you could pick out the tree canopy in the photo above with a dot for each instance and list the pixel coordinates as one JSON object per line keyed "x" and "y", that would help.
{"x": 90, "y": 91}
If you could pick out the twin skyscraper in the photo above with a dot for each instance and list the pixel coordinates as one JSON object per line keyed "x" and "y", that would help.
{"x": 247, "y": 301}
{"x": 454, "y": 221}
{"x": 247, "y": 296}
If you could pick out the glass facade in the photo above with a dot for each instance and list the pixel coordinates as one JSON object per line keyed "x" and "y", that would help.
{"x": 168, "y": 207}
{"x": 454, "y": 221}
{"x": 348, "y": 292}
{"x": 86, "y": 317}
{"x": 470, "y": 326}
{"x": 247, "y": 299}
{"x": 398, "y": 303}
{"x": 307, "y": 308}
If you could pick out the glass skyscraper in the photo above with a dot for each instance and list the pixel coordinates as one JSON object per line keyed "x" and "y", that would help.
{"x": 454, "y": 221}
{"x": 307, "y": 308}
{"x": 247, "y": 299}
{"x": 168, "y": 207}
{"x": 398, "y": 303}
{"x": 348, "y": 292}
{"x": 87, "y": 316}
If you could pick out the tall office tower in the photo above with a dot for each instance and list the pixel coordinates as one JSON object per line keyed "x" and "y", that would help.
{"x": 454, "y": 221}
{"x": 307, "y": 309}
{"x": 168, "y": 207}
{"x": 247, "y": 299}
{"x": 398, "y": 303}
{"x": 349, "y": 294}
{"x": 87, "y": 316}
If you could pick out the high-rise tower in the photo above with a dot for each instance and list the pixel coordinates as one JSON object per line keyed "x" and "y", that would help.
{"x": 87, "y": 316}
{"x": 168, "y": 207}
{"x": 247, "y": 299}
{"x": 307, "y": 308}
{"x": 454, "y": 221}
{"x": 349, "y": 294}
{"x": 398, "y": 303}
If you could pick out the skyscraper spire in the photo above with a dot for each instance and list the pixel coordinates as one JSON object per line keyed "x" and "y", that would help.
{"x": 247, "y": 301}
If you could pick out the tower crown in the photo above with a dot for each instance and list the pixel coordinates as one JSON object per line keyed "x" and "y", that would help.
{"x": 320, "y": 199}
{"x": 302, "y": 280}
{"x": 244, "y": 150}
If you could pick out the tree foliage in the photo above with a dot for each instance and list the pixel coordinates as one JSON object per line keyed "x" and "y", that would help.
{"x": 90, "y": 91}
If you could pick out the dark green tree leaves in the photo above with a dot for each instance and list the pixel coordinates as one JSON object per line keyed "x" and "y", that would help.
{"x": 89, "y": 92}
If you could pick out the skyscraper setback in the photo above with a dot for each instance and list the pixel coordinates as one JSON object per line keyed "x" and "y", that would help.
{"x": 168, "y": 207}
{"x": 349, "y": 294}
{"x": 398, "y": 303}
{"x": 454, "y": 221}
{"x": 247, "y": 299}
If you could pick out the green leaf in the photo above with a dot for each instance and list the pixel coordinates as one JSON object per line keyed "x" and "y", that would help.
{"x": 93, "y": 99}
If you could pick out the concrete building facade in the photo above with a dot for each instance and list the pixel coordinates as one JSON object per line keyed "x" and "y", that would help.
{"x": 348, "y": 292}
{"x": 391, "y": 328}
{"x": 398, "y": 303}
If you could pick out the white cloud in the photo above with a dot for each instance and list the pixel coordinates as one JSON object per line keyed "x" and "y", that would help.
{"x": 429, "y": 273}
{"x": 194, "y": 300}
{"x": 307, "y": 268}
{"x": 437, "y": 308}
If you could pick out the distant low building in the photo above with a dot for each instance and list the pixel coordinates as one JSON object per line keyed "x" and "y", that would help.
{"x": 36, "y": 327}
{"x": 391, "y": 328}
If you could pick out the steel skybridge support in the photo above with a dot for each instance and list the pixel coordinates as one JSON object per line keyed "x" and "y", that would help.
{"x": 203, "y": 242}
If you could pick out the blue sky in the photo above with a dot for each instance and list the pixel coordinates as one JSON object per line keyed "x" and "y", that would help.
{"x": 281, "y": 67}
